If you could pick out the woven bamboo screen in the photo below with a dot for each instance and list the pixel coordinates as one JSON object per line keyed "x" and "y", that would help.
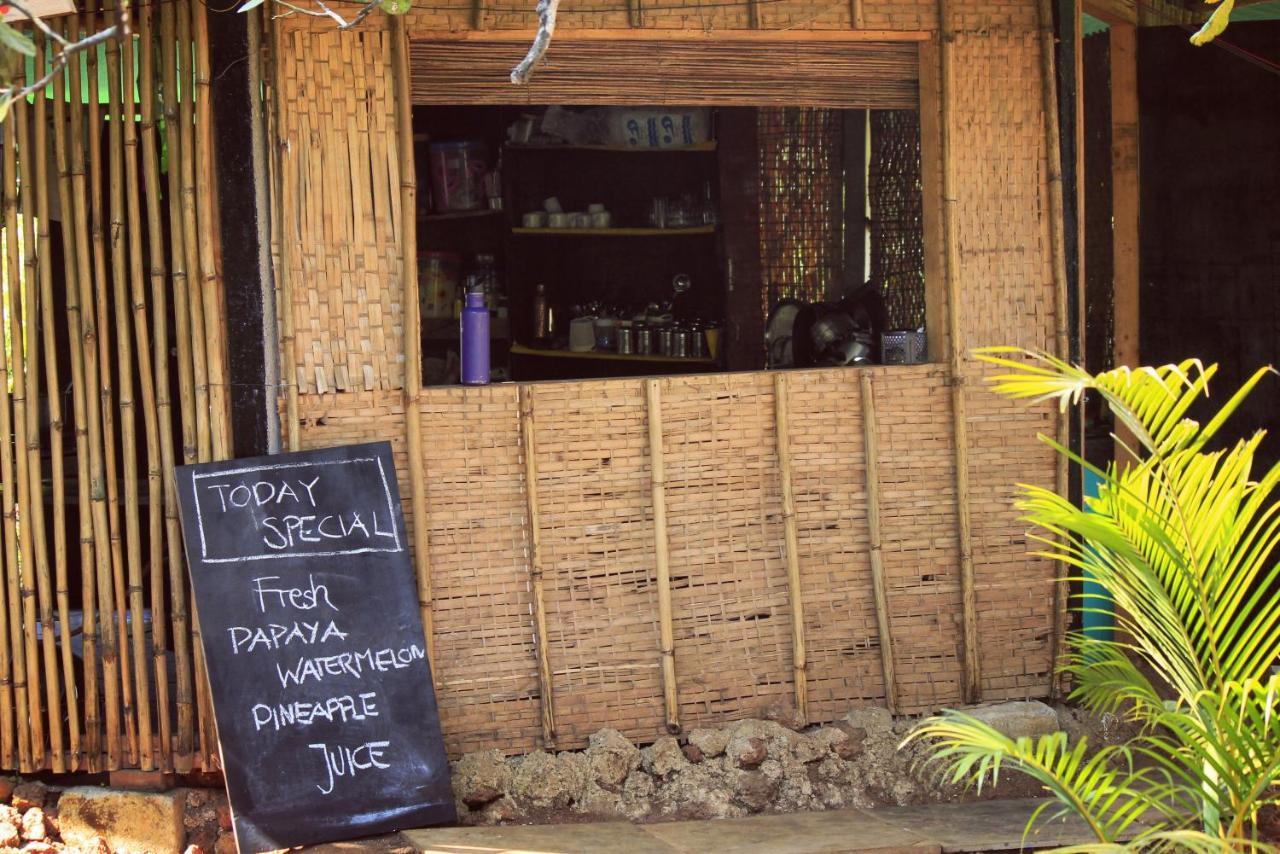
{"x": 110, "y": 266}
{"x": 801, "y": 203}
{"x": 897, "y": 215}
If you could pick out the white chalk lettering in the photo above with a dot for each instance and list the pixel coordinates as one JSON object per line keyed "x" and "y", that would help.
{"x": 304, "y": 599}
{"x": 338, "y": 709}
{"x": 273, "y": 636}
{"x": 348, "y": 663}
{"x": 342, "y": 761}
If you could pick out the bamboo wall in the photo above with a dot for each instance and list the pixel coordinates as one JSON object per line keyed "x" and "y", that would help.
{"x": 799, "y": 567}
{"x": 114, "y": 373}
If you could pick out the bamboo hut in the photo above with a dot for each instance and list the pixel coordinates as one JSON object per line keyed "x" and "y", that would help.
{"x": 649, "y": 550}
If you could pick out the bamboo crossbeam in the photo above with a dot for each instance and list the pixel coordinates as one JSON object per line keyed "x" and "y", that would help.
{"x": 84, "y": 755}
{"x": 871, "y": 450}
{"x": 528, "y": 433}
{"x": 40, "y": 341}
{"x": 180, "y": 620}
{"x": 167, "y": 544}
{"x": 666, "y": 631}
{"x": 124, "y": 397}
{"x": 795, "y": 597}
{"x": 412, "y": 329}
{"x": 1057, "y": 243}
{"x": 8, "y": 426}
{"x": 22, "y": 311}
{"x": 971, "y": 665}
{"x": 95, "y": 342}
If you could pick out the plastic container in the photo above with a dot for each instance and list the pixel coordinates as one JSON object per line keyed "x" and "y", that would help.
{"x": 474, "y": 330}
{"x": 457, "y": 175}
{"x": 438, "y": 275}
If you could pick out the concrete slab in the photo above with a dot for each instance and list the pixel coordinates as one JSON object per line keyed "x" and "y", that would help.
{"x": 799, "y": 833}
{"x": 611, "y": 837}
{"x": 984, "y": 825}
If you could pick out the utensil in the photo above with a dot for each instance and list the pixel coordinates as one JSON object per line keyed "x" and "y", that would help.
{"x": 558, "y": 220}
{"x": 626, "y": 338}
{"x": 601, "y": 219}
{"x": 534, "y": 219}
{"x": 582, "y": 334}
{"x": 644, "y": 339}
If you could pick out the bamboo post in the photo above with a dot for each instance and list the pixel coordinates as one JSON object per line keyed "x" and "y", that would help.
{"x": 971, "y": 682}
{"x": 124, "y": 398}
{"x": 653, "y": 399}
{"x": 871, "y": 450}
{"x": 858, "y": 15}
{"x": 22, "y": 311}
{"x": 10, "y": 426}
{"x": 102, "y": 459}
{"x": 169, "y": 542}
{"x": 528, "y": 435}
{"x": 40, "y": 337}
{"x": 795, "y": 596}
{"x": 206, "y": 216}
{"x": 68, "y": 139}
{"x": 185, "y": 697}
{"x": 412, "y": 329}
{"x": 1057, "y": 242}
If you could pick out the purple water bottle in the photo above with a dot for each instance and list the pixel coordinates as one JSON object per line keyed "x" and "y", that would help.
{"x": 475, "y": 338}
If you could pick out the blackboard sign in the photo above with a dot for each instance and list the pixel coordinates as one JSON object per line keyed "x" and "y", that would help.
{"x": 309, "y": 618}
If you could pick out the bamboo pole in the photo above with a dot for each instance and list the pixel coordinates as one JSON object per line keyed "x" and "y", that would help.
{"x": 666, "y": 632}
{"x": 137, "y": 295}
{"x": 185, "y": 699}
{"x": 206, "y": 213}
{"x": 412, "y": 331}
{"x": 35, "y": 233}
{"x": 871, "y": 450}
{"x": 11, "y": 426}
{"x": 185, "y": 161}
{"x": 102, "y": 459}
{"x": 22, "y": 312}
{"x": 169, "y": 541}
{"x": 795, "y": 596}
{"x": 528, "y": 434}
{"x": 1058, "y": 246}
{"x": 972, "y": 678}
{"x": 128, "y": 433}
{"x": 856, "y": 12}
{"x": 67, "y": 142}
{"x": 129, "y": 604}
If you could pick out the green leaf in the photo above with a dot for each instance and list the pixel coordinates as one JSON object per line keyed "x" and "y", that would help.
{"x": 395, "y": 7}
{"x": 16, "y": 41}
{"x": 249, "y": 4}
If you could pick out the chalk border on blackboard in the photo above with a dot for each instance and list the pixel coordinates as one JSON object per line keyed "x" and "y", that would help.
{"x": 386, "y": 491}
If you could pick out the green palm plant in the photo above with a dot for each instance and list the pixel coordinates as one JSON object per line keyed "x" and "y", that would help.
{"x": 1183, "y": 539}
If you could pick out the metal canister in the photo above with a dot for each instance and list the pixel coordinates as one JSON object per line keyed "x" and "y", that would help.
{"x": 644, "y": 339}
{"x": 626, "y": 338}
{"x": 697, "y": 343}
{"x": 666, "y": 341}
{"x": 680, "y": 342}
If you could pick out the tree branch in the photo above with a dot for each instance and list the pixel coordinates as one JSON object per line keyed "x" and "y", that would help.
{"x": 58, "y": 61}
{"x": 546, "y": 29}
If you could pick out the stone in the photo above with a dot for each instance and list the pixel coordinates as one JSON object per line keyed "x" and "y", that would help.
{"x": 194, "y": 849}
{"x": 754, "y": 789}
{"x": 696, "y": 792}
{"x": 42, "y": 847}
{"x": 545, "y": 781}
{"x": 778, "y": 740}
{"x": 28, "y": 795}
{"x": 226, "y": 844}
{"x": 692, "y": 753}
{"x": 1018, "y": 719}
{"x": 140, "y": 822}
{"x": 808, "y": 748}
{"x": 10, "y": 836}
{"x": 711, "y": 742}
{"x": 224, "y": 815}
{"x": 853, "y": 743}
{"x": 748, "y": 752}
{"x": 481, "y": 778}
{"x": 638, "y": 795}
{"x": 873, "y": 720}
{"x": 784, "y": 714}
{"x": 6, "y": 788}
{"x": 611, "y": 759}
{"x": 33, "y": 826}
{"x": 664, "y": 757}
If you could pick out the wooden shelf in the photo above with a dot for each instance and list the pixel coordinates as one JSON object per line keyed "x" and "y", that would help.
{"x": 522, "y": 350}
{"x": 614, "y": 232}
{"x": 483, "y": 212}
{"x": 629, "y": 149}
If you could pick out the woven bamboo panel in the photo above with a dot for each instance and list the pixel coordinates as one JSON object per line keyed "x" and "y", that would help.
{"x": 598, "y": 545}
{"x": 339, "y": 185}
{"x": 1007, "y": 298}
{"x": 897, "y": 216}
